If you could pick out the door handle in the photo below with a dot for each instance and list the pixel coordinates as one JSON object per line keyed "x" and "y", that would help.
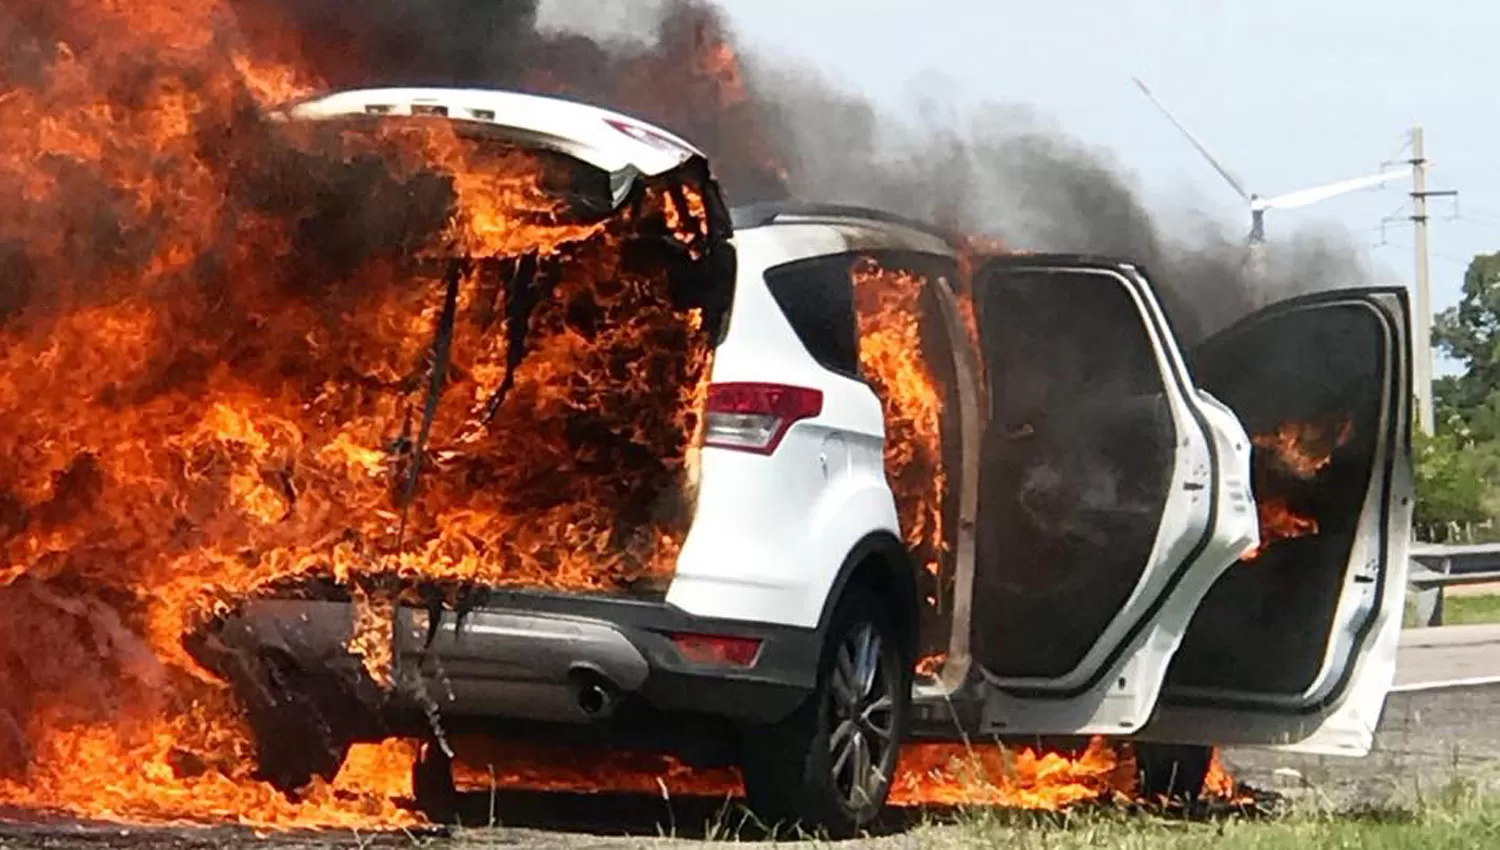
{"x": 1019, "y": 432}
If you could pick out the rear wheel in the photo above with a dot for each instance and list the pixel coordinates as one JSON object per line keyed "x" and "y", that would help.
{"x": 297, "y": 736}
{"x": 432, "y": 784}
{"x": 828, "y": 766}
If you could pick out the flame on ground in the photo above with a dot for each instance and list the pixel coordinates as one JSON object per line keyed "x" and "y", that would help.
{"x": 931, "y": 666}
{"x": 926, "y": 774}
{"x": 481, "y": 764}
{"x": 1220, "y": 785}
{"x": 1027, "y": 778}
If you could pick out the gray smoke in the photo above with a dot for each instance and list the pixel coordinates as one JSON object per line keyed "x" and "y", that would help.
{"x": 776, "y": 129}
{"x": 1005, "y": 172}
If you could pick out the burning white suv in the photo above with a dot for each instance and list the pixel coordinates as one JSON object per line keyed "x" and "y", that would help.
{"x": 934, "y": 495}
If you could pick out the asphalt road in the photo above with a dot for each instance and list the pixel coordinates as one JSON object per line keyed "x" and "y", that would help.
{"x": 1441, "y": 727}
{"x": 1448, "y": 654}
{"x": 1429, "y": 739}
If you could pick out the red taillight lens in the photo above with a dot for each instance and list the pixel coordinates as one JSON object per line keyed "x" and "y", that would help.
{"x": 754, "y": 417}
{"x": 717, "y": 649}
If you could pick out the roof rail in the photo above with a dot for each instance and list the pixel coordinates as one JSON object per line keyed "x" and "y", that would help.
{"x": 767, "y": 212}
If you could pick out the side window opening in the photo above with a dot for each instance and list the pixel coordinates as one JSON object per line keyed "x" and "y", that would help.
{"x": 816, "y": 297}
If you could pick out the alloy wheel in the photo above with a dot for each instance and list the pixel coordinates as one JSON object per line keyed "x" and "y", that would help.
{"x": 863, "y": 717}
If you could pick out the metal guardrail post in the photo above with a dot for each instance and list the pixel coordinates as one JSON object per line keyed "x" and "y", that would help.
{"x": 1435, "y": 568}
{"x": 1430, "y": 598}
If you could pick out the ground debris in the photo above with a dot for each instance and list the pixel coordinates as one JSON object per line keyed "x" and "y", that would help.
{"x": 61, "y": 833}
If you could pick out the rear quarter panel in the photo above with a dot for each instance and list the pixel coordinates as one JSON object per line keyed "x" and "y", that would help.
{"x": 770, "y": 534}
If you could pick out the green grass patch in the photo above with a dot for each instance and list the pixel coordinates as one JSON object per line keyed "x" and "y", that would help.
{"x": 1456, "y": 820}
{"x": 1468, "y": 610}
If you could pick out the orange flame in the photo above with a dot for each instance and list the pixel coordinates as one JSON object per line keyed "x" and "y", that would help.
{"x": 926, "y": 774}
{"x": 931, "y": 666}
{"x": 1301, "y": 451}
{"x": 893, "y": 360}
{"x": 1219, "y": 784}
{"x": 1278, "y": 522}
{"x": 1028, "y": 778}
{"x": 482, "y": 764}
{"x": 1304, "y": 449}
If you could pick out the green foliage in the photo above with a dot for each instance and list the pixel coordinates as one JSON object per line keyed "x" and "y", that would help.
{"x": 1470, "y": 333}
{"x": 1458, "y": 470}
{"x": 1451, "y": 485}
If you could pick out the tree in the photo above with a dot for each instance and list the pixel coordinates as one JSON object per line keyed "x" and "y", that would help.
{"x": 1453, "y": 486}
{"x": 1458, "y": 469}
{"x": 1470, "y": 333}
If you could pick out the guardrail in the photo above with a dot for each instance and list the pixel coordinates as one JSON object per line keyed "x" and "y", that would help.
{"x": 1434, "y": 568}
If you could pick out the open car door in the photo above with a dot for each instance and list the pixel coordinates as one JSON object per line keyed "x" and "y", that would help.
{"x": 1296, "y": 646}
{"x": 1111, "y": 496}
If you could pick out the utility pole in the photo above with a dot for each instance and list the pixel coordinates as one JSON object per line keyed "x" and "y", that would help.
{"x": 1422, "y": 343}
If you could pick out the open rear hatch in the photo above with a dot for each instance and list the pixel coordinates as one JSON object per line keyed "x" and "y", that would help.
{"x": 534, "y": 402}
{"x": 516, "y": 401}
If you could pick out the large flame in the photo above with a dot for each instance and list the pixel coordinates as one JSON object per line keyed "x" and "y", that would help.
{"x": 926, "y": 774}
{"x": 237, "y": 354}
{"x": 893, "y": 360}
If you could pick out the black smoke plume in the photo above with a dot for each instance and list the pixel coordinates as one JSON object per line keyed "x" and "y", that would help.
{"x": 773, "y": 130}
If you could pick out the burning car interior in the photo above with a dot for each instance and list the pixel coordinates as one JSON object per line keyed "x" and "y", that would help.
{"x": 906, "y": 354}
{"x": 1308, "y": 384}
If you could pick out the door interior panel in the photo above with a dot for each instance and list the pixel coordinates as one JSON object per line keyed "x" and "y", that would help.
{"x": 1075, "y": 466}
{"x": 1307, "y": 384}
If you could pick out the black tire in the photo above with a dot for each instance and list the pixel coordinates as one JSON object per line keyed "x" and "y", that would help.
{"x": 432, "y": 784}
{"x": 297, "y": 737}
{"x": 827, "y": 767}
{"x": 1175, "y": 772}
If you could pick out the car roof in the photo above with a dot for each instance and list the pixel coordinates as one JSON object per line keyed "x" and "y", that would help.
{"x": 858, "y": 227}
{"x": 608, "y": 140}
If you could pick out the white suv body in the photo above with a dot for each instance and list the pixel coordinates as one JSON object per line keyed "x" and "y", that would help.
{"x": 792, "y": 586}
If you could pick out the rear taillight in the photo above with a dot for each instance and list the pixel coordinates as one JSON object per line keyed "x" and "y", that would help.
{"x": 718, "y": 650}
{"x": 754, "y": 417}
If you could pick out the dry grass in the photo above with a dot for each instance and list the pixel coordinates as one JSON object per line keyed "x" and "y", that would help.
{"x": 1459, "y": 824}
{"x": 1461, "y": 816}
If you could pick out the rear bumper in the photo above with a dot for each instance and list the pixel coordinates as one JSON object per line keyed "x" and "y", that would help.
{"x": 520, "y": 656}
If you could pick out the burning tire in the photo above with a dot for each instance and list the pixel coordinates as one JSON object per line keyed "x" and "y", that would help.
{"x": 828, "y": 766}
{"x": 1172, "y": 771}
{"x": 297, "y": 735}
{"x": 432, "y": 785}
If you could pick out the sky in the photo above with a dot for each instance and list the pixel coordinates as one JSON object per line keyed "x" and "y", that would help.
{"x": 1286, "y": 93}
